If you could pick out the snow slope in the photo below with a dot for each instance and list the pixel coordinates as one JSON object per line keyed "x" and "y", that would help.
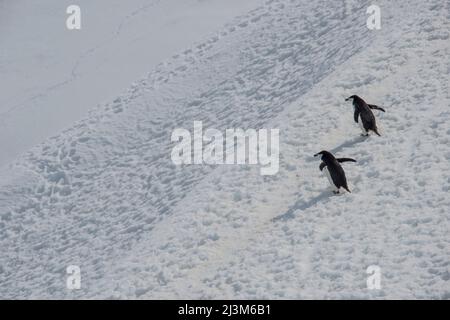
{"x": 52, "y": 76}
{"x": 105, "y": 195}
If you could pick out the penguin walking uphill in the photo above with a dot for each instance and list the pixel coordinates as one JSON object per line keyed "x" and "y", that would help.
{"x": 334, "y": 171}
{"x": 364, "y": 116}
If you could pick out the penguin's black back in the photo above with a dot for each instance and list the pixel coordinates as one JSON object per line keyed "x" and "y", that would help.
{"x": 335, "y": 170}
{"x": 367, "y": 116}
{"x": 337, "y": 174}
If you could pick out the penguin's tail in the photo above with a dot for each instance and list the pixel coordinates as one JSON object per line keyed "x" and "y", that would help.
{"x": 346, "y": 188}
{"x": 376, "y": 131}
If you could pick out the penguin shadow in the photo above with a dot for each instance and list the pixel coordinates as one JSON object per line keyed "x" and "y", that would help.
{"x": 349, "y": 143}
{"x": 302, "y": 205}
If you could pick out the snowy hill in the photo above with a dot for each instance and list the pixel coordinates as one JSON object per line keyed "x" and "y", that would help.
{"x": 52, "y": 76}
{"x": 105, "y": 195}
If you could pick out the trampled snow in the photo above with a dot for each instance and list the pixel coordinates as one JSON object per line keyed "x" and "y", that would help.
{"x": 105, "y": 195}
{"x": 51, "y": 76}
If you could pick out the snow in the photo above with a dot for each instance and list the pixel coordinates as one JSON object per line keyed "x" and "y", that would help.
{"x": 104, "y": 194}
{"x": 52, "y": 76}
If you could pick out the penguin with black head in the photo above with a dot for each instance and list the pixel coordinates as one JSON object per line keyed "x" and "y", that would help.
{"x": 364, "y": 116}
{"x": 332, "y": 169}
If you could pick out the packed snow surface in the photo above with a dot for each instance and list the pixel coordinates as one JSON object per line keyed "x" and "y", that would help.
{"x": 105, "y": 195}
{"x": 51, "y": 76}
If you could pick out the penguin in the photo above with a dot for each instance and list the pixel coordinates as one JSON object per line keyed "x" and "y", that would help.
{"x": 334, "y": 171}
{"x": 364, "y": 116}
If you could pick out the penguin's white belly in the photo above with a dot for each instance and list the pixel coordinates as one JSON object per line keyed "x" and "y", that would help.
{"x": 327, "y": 174}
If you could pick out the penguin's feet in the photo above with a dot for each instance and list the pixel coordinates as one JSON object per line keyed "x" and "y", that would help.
{"x": 336, "y": 192}
{"x": 364, "y": 135}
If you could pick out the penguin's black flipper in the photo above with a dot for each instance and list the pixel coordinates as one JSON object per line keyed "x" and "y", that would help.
{"x": 346, "y": 160}
{"x": 372, "y": 106}
{"x": 322, "y": 165}
{"x": 356, "y": 115}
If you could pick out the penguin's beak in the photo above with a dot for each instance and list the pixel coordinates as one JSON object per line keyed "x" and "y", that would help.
{"x": 347, "y": 99}
{"x": 316, "y": 154}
